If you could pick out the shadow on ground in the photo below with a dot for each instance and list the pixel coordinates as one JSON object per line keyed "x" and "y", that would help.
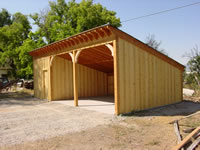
{"x": 183, "y": 108}
{"x": 109, "y": 99}
{"x": 16, "y": 98}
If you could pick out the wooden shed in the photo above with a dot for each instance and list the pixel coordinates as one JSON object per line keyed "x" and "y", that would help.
{"x": 105, "y": 61}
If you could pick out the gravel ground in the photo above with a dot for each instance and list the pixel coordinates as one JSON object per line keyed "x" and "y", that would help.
{"x": 32, "y": 119}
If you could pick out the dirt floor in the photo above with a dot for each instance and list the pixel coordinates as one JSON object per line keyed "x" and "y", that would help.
{"x": 51, "y": 126}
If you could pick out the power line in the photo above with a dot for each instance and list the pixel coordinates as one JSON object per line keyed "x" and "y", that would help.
{"x": 160, "y": 12}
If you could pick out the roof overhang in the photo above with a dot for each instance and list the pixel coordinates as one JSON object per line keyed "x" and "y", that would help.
{"x": 82, "y": 38}
{"x": 95, "y": 35}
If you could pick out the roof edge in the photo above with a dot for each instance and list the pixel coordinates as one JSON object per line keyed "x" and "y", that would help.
{"x": 108, "y": 24}
{"x": 147, "y": 48}
{"x": 124, "y": 36}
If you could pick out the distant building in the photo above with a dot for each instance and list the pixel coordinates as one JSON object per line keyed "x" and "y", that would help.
{"x": 4, "y": 71}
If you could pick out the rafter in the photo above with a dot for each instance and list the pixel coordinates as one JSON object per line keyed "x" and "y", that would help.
{"x": 64, "y": 43}
{"x": 101, "y": 33}
{"x": 72, "y": 42}
{"x": 95, "y": 34}
{"x": 98, "y": 62}
{"x": 101, "y": 51}
{"x": 85, "y": 38}
{"x": 90, "y": 36}
{"x": 76, "y": 41}
{"x": 79, "y": 39}
{"x": 107, "y": 31}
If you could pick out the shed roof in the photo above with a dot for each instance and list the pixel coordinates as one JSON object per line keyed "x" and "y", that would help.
{"x": 97, "y": 33}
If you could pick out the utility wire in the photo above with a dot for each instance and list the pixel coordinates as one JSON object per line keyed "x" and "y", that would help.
{"x": 160, "y": 12}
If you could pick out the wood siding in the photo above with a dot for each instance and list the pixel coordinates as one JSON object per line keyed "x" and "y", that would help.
{"x": 62, "y": 79}
{"x": 144, "y": 80}
{"x": 41, "y": 77}
{"x": 110, "y": 85}
{"x": 90, "y": 82}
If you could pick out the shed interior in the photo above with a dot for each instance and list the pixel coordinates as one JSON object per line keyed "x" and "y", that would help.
{"x": 94, "y": 71}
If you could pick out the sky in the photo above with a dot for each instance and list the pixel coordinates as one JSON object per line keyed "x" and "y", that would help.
{"x": 179, "y": 30}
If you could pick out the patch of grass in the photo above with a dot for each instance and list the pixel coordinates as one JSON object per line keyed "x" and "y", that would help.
{"x": 136, "y": 113}
{"x": 118, "y": 145}
{"x": 153, "y": 143}
{"x": 6, "y": 128}
{"x": 119, "y": 132}
{"x": 26, "y": 91}
{"x": 18, "y": 94}
{"x": 191, "y": 123}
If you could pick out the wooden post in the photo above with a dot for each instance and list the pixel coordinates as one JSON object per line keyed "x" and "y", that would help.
{"x": 50, "y": 78}
{"x": 181, "y": 86}
{"x": 116, "y": 89}
{"x": 75, "y": 79}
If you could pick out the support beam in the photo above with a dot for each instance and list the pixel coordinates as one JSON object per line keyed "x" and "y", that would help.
{"x": 72, "y": 56}
{"x": 75, "y": 58}
{"x": 75, "y": 80}
{"x": 110, "y": 47}
{"x": 49, "y": 79}
{"x": 51, "y": 60}
{"x": 77, "y": 55}
{"x": 116, "y": 87}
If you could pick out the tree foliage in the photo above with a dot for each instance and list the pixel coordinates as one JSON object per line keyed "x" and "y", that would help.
{"x": 194, "y": 65}
{"x": 152, "y": 42}
{"x": 24, "y": 62}
{"x": 12, "y": 37}
{"x": 65, "y": 19}
{"x": 5, "y": 18}
{"x": 60, "y": 20}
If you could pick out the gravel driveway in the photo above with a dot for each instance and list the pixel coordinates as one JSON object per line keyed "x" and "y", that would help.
{"x": 30, "y": 119}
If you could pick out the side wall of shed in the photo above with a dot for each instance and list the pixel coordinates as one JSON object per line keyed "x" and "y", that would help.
{"x": 144, "y": 80}
{"x": 41, "y": 78}
{"x": 90, "y": 82}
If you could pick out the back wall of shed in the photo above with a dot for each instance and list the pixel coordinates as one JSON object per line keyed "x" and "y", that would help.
{"x": 90, "y": 81}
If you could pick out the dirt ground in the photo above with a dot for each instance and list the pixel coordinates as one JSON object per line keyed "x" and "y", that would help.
{"x": 82, "y": 129}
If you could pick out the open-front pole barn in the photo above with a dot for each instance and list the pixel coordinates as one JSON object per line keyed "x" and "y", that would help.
{"x": 105, "y": 61}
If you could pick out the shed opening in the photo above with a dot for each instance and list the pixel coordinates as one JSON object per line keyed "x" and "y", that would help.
{"x": 95, "y": 78}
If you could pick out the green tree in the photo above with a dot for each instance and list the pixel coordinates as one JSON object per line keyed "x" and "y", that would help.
{"x": 59, "y": 21}
{"x": 24, "y": 62}
{"x": 151, "y": 41}
{"x": 5, "y": 18}
{"x": 194, "y": 64}
{"x": 65, "y": 19}
{"x": 11, "y": 37}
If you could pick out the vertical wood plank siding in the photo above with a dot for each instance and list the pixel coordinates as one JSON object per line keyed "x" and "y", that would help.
{"x": 90, "y": 82}
{"x": 110, "y": 85}
{"x": 62, "y": 79}
{"x": 40, "y": 69}
{"x": 145, "y": 81}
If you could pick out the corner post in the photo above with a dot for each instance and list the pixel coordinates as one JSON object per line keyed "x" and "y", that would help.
{"x": 75, "y": 79}
{"x": 50, "y": 78}
{"x": 116, "y": 87}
